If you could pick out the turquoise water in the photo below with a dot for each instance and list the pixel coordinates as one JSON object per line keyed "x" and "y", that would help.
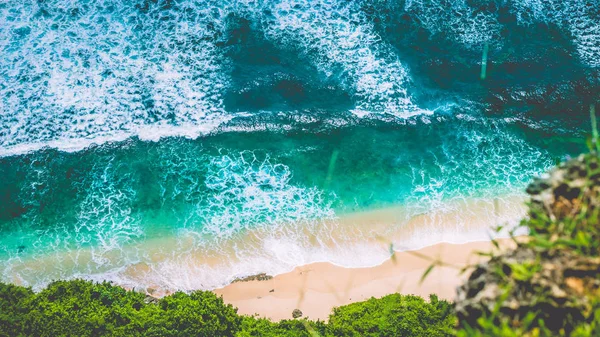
{"x": 127, "y": 122}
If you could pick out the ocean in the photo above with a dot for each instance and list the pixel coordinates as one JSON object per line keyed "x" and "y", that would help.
{"x": 181, "y": 144}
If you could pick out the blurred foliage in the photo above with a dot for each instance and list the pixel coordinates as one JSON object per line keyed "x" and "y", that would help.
{"x": 550, "y": 284}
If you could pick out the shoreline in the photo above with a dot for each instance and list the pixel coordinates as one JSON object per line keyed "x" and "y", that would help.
{"x": 316, "y": 288}
{"x": 358, "y": 240}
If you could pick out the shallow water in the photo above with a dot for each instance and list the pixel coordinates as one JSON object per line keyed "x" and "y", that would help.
{"x": 127, "y": 122}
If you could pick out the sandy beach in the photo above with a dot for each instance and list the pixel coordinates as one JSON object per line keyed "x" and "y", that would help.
{"x": 295, "y": 254}
{"x": 317, "y": 288}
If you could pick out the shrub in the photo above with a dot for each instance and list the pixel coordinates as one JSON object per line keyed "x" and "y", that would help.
{"x": 393, "y": 315}
{"x": 12, "y": 309}
{"x": 253, "y": 326}
{"x": 83, "y": 308}
{"x": 201, "y": 313}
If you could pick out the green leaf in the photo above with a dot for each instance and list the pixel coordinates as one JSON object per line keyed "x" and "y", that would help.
{"x": 429, "y": 269}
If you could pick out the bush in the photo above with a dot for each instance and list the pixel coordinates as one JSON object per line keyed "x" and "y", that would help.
{"x": 201, "y": 313}
{"x": 253, "y": 326}
{"x": 393, "y": 315}
{"x": 83, "y": 308}
{"x": 12, "y": 308}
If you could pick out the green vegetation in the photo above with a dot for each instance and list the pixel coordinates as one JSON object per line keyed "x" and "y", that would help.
{"x": 393, "y": 315}
{"x": 84, "y": 308}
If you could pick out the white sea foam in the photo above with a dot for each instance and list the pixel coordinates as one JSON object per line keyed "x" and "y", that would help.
{"x": 105, "y": 223}
{"x": 279, "y": 250}
{"x": 475, "y": 26}
{"x": 247, "y": 192}
{"x": 240, "y": 192}
{"x": 105, "y": 218}
{"x": 77, "y": 73}
{"x": 579, "y": 18}
{"x": 465, "y": 154}
{"x": 342, "y": 43}
{"x": 466, "y": 24}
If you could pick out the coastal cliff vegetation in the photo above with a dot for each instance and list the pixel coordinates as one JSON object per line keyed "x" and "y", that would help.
{"x": 549, "y": 285}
